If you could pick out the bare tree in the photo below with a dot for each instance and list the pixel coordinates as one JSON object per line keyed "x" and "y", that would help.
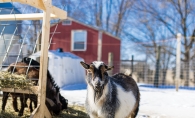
{"x": 176, "y": 16}
{"x": 108, "y": 12}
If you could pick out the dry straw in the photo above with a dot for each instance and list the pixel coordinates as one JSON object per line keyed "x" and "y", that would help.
{"x": 12, "y": 80}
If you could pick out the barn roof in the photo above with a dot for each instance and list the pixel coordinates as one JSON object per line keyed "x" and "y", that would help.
{"x": 8, "y": 5}
{"x": 95, "y": 28}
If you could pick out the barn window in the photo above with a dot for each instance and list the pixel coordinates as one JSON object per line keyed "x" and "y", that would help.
{"x": 79, "y": 40}
{"x": 66, "y": 22}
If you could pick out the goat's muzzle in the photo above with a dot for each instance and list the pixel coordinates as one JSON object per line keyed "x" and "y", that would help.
{"x": 97, "y": 88}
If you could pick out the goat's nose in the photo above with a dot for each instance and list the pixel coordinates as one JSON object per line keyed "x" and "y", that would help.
{"x": 97, "y": 84}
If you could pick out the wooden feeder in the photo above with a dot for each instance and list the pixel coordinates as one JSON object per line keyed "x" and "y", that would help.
{"x": 49, "y": 12}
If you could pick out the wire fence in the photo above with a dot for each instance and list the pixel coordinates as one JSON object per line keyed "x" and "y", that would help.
{"x": 152, "y": 76}
{"x": 149, "y": 75}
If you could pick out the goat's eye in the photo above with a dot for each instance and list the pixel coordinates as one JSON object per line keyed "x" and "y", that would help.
{"x": 89, "y": 71}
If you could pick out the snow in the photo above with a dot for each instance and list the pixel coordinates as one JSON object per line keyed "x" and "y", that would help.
{"x": 154, "y": 103}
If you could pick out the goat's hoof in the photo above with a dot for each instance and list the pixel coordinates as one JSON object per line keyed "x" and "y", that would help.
{"x": 20, "y": 114}
{"x": 2, "y": 111}
{"x": 16, "y": 110}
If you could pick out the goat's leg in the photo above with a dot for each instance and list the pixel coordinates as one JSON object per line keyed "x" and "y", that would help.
{"x": 4, "y": 100}
{"x": 35, "y": 101}
{"x": 25, "y": 102}
{"x": 15, "y": 103}
{"x": 30, "y": 106}
{"x": 22, "y": 106}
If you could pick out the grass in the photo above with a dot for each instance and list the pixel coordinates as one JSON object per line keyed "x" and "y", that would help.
{"x": 74, "y": 111}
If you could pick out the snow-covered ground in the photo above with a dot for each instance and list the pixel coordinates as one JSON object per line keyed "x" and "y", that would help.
{"x": 155, "y": 103}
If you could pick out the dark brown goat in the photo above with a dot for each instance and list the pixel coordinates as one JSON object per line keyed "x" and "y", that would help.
{"x": 21, "y": 68}
{"x": 52, "y": 90}
{"x": 36, "y": 64}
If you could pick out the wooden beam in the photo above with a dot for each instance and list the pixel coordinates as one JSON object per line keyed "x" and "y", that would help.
{"x": 44, "y": 58}
{"x": 59, "y": 13}
{"x": 34, "y": 113}
{"x": 13, "y": 17}
{"x": 47, "y": 114}
{"x": 32, "y": 90}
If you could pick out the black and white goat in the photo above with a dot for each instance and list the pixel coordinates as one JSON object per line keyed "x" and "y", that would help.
{"x": 110, "y": 97}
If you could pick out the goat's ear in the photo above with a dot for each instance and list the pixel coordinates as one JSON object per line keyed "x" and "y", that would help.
{"x": 86, "y": 66}
{"x": 109, "y": 68}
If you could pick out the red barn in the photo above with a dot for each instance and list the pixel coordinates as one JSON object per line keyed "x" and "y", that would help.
{"x": 85, "y": 41}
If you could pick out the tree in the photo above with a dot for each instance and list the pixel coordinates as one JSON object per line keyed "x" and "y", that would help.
{"x": 176, "y": 16}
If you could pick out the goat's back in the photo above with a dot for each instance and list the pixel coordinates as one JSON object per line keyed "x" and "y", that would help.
{"x": 126, "y": 82}
{"x": 21, "y": 68}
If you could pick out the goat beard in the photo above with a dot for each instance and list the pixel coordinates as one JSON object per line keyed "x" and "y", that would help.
{"x": 98, "y": 94}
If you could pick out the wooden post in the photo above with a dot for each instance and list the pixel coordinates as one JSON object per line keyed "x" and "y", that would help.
{"x": 146, "y": 70}
{"x": 110, "y": 61}
{"x": 157, "y": 68}
{"x": 38, "y": 47}
{"x": 44, "y": 59}
{"x": 178, "y": 57}
{"x": 99, "y": 51}
{"x": 48, "y": 12}
{"x": 132, "y": 65}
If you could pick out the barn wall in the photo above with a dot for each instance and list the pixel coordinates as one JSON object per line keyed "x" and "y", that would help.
{"x": 63, "y": 40}
{"x": 111, "y": 44}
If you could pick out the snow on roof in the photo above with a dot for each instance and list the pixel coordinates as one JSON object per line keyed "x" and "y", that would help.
{"x": 60, "y": 54}
{"x": 65, "y": 54}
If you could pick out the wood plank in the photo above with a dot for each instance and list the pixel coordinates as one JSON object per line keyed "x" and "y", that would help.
{"x": 47, "y": 114}
{"x": 32, "y": 90}
{"x": 34, "y": 16}
{"x": 35, "y": 112}
{"x": 44, "y": 58}
{"x": 58, "y": 13}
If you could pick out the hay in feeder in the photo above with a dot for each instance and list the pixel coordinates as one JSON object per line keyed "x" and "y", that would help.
{"x": 12, "y": 80}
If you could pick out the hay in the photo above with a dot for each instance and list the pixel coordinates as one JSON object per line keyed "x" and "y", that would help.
{"x": 12, "y": 80}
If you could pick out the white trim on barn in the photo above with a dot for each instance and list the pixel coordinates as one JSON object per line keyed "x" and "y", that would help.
{"x": 80, "y": 39}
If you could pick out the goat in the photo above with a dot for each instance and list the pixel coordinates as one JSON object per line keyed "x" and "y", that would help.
{"x": 36, "y": 65}
{"x": 20, "y": 68}
{"x": 114, "y": 96}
